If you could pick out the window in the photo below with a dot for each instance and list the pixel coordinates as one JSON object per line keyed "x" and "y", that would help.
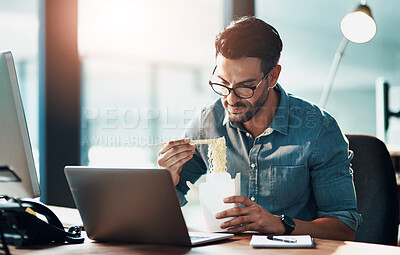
{"x": 145, "y": 68}
{"x": 310, "y": 31}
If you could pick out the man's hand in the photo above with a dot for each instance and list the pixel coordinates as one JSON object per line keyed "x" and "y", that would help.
{"x": 251, "y": 217}
{"x": 173, "y": 155}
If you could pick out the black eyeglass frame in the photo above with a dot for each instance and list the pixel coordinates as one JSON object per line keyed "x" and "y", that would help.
{"x": 253, "y": 88}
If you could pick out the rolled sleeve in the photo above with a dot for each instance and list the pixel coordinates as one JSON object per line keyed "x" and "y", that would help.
{"x": 332, "y": 177}
{"x": 351, "y": 218}
{"x": 335, "y": 195}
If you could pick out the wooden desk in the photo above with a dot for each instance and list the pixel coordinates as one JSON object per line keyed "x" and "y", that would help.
{"x": 237, "y": 245}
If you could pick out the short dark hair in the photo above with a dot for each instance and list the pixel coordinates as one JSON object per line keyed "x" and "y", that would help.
{"x": 249, "y": 36}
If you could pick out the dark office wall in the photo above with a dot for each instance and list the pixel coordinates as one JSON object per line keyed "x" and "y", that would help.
{"x": 59, "y": 97}
{"x": 237, "y": 8}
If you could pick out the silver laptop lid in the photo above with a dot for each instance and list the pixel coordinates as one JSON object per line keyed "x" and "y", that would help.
{"x": 128, "y": 205}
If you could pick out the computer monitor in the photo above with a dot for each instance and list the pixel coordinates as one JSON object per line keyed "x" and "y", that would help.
{"x": 15, "y": 146}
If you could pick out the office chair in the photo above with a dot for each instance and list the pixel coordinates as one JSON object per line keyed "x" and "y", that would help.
{"x": 376, "y": 189}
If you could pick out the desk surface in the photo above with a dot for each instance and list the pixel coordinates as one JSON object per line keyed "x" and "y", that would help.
{"x": 237, "y": 245}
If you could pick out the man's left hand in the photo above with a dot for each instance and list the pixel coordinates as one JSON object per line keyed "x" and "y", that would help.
{"x": 252, "y": 217}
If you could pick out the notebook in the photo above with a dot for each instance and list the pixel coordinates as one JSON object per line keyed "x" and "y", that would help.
{"x": 132, "y": 205}
{"x": 290, "y": 241}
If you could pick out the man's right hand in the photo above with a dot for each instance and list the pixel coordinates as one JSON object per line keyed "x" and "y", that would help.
{"x": 174, "y": 154}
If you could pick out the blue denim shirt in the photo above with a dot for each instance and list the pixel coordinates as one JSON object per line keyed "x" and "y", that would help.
{"x": 299, "y": 166}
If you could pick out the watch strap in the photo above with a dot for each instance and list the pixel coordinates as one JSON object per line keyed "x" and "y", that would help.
{"x": 288, "y": 223}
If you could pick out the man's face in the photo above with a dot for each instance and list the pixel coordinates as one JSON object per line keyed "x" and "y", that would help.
{"x": 245, "y": 71}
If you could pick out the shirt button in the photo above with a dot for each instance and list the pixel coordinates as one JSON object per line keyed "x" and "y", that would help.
{"x": 253, "y": 165}
{"x": 248, "y": 134}
{"x": 252, "y": 198}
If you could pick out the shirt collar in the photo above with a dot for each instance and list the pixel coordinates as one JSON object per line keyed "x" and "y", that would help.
{"x": 281, "y": 119}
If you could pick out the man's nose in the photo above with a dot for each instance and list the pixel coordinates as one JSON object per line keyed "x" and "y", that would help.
{"x": 232, "y": 98}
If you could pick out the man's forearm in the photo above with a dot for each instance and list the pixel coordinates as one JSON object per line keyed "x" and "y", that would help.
{"x": 328, "y": 228}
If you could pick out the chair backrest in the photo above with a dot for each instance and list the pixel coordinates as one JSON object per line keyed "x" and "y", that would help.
{"x": 376, "y": 189}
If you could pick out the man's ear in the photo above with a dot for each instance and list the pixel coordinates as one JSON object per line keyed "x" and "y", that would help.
{"x": 274, "y": 75}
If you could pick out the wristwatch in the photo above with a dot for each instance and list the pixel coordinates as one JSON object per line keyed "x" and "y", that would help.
{"x": 288, "y": 223}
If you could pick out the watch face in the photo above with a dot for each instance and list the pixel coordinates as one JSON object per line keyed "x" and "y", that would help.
{"x": 289, "y": 221}
{"x": 289, "y": 224}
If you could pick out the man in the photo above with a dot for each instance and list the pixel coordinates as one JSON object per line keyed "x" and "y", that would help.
{"x": 293, "y": 158}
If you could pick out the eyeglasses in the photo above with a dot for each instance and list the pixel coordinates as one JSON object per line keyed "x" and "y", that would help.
{"x": 243, "y": 92}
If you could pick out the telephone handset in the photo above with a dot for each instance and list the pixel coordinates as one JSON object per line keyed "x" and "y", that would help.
{"x": 21, "y": 227}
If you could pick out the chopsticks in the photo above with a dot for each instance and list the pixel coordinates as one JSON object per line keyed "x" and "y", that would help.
{"x": 205, "y": 141}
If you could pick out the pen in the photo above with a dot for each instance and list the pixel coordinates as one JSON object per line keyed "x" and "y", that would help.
{"x": 282, "y": 239}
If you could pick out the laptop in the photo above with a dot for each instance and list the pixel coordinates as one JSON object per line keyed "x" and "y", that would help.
{"x": 132, "y": 205}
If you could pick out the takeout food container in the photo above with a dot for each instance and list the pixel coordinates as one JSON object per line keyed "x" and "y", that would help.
{"x": 211, "y": 194}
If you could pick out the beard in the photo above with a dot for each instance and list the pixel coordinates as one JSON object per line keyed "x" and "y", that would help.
{"x": 244, "y": 111}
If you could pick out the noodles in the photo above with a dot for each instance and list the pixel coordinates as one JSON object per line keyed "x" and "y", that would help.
{"x": 217, "y": 155}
